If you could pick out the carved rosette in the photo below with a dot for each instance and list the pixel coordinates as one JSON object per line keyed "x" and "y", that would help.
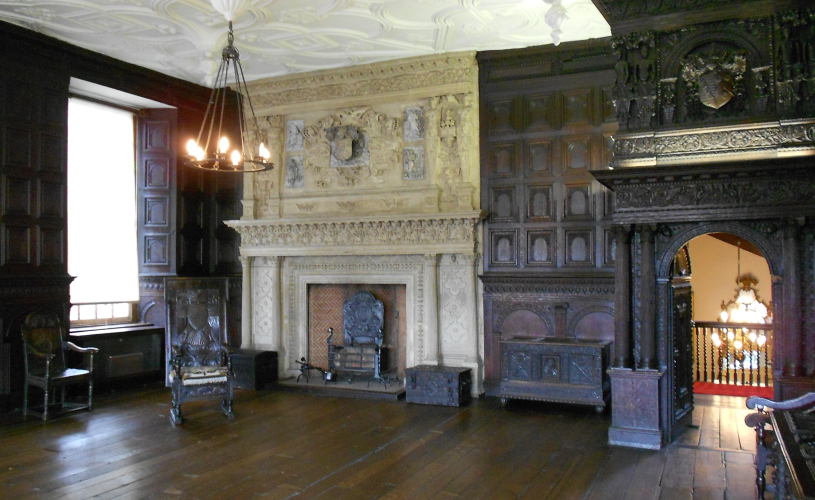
{"x": 419, "y": 235}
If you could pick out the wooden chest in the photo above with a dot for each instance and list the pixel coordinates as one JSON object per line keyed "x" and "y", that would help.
{"x": 437, "y": 385}
{"x": 559, "y": 370}
{"x": 254, "y": 369}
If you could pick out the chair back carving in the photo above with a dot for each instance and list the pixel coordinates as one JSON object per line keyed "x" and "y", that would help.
{"x": 43, "y": 333}
{"x": 197, "y": 332}
{"x": 363, "y": 318}
{"x": 196, "y": 320}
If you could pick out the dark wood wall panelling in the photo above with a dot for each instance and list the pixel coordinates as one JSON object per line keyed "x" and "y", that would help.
{"x": 546, "y": 122}
{"x": 33, "y": 203}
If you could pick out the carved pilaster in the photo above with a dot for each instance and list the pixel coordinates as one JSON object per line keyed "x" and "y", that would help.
{"x": 469, "y": 289}
{"x": 431, "y": 310}
{"x": 261, "y": 191}
{"x": 560, "y": 320}
{"x": 246, "y": 303}
{"x": 792, "y": 303}
{"x": 647, "y": 283}
{"x": 622, "y": 297}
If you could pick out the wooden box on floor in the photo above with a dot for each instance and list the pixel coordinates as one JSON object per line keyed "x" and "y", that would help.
{"x": 254, "y": 369}
{"x": 437, "y": 385}
{"x": 558, "y": 370}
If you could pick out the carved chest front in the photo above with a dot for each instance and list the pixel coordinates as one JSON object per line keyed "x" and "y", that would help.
{"x": 437, "y": 385}
{"x": 559, "y": 370}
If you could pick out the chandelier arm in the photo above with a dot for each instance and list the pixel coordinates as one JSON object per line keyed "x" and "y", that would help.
{"x": 241, "y": 114}
{"x": 249, "y": 100}
{"x": 223, "y": 101}
{"x": 218, "y": 95}
{"x": 212, "y": 96}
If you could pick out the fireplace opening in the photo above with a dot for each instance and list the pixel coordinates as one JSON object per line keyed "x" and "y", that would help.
{"x": 325, "y": 304}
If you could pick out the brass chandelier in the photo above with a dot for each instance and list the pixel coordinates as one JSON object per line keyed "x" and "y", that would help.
{"x": 246, "y": 158}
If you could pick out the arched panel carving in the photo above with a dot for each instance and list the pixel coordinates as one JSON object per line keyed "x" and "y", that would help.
{"x": 524, "y": 324}
{"x": 592, "y": 318}
{"x": 503, "y": 310}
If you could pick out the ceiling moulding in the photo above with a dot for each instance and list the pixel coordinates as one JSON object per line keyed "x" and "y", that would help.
{"x": 626, "y": 16}
{"x": 368, "y": 84}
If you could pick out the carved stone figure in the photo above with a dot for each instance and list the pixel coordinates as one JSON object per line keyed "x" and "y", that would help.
{"x": 413, "y": 166}
{"x": 294, "y": 172}
{"x": 413, "y": 124}
{"x": 294, "y": 135}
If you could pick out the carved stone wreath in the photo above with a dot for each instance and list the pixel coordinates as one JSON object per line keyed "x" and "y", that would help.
{"x": 351, "y": 146}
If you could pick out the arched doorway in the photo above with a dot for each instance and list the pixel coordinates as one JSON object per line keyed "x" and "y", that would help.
{"x": 721, "y": 322}
{"x": 676, "y": 336}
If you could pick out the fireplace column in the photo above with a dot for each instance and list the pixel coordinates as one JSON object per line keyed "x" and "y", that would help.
{"x": 431, "y": 309}
{"x": 276, "y": 303}
{"x": 246, "y": 303}
{"x": 470, "y": 288}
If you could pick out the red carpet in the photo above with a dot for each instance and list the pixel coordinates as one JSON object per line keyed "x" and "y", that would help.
{"x": 732, "y": 390}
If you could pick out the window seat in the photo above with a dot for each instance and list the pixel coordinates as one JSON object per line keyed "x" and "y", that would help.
{"x": 125, "y": 350}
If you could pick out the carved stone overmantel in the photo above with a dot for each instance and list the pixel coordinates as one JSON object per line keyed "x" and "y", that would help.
{"x": 376, "y": 182}
{"x": 392, "y": 137}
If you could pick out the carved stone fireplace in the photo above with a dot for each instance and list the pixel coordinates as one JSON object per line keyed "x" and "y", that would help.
{"x": 376, "y": 182}
{"x": 441, "y": 322}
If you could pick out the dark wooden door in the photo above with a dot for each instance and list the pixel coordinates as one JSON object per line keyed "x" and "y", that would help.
{"x": 682, "y": 362}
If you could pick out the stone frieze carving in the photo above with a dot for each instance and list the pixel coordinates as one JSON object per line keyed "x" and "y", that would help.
{"x": 402, "y": 75}
{"x": 402, "y": 236}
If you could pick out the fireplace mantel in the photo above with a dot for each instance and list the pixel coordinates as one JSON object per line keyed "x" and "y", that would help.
{"x": 419, "y": 234}
{"x": 433, "y": 255}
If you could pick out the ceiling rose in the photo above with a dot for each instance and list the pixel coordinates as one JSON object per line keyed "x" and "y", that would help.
{"x": 183, "y": 38}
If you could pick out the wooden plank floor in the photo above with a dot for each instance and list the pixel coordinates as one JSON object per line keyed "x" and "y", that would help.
{"x": 288, "y": 445}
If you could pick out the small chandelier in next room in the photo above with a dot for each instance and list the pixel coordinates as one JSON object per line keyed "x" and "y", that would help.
{"x": 211, "y": 151}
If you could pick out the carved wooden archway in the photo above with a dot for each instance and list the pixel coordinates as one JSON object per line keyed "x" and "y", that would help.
{"x": 660, "y": 209}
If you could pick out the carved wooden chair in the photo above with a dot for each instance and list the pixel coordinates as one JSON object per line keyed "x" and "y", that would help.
{"x": 44, "y": 347}
{"x": 199, "y": 365}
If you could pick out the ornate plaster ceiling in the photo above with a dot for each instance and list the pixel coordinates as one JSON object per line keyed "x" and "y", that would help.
{"x": 183, "y": 38}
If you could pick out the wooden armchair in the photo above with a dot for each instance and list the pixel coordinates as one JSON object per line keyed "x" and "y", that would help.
{"x": 199, "y": 365}
{"x": 788, "y": 446}
{"x": 44, "y": 348}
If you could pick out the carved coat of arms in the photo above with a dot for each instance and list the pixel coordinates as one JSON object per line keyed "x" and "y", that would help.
{"x": 714, "y": 76}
